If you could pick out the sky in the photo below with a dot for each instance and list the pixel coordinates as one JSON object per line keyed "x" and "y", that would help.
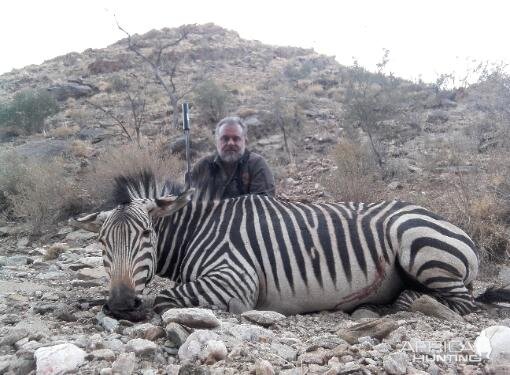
{"x": 425, "y": 38}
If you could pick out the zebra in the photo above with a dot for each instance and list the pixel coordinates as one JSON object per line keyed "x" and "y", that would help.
{"x": 259, "y": 252}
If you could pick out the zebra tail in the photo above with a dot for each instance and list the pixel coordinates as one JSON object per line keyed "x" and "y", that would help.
{"x": 495, "y": 295}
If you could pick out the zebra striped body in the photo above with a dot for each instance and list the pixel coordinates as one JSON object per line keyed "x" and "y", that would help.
{"x": 258, "y": 252}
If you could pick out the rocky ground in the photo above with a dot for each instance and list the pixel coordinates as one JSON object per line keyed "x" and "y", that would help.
{"x": 51, "y": 322}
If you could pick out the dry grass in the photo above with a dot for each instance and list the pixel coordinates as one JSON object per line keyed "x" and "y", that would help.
{"x": 129, "y": 159}
{"x": 81, "y": 149}
{"x": 54, "y": 251}
{"x": 40, "y": 192}
{"x": 356, "y": 177}
{"x": 64, "y": 131}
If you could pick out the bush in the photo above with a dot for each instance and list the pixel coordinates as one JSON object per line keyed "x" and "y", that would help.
{"x": 41, "y": 193}
{"x": 28, "y": 110}
{"x": 356, "y": 176}
{"x": 128, "y": 159}
{"x": 212, "y": 101}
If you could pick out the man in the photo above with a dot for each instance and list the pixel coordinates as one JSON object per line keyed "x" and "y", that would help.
{"x": 232, "y": 170}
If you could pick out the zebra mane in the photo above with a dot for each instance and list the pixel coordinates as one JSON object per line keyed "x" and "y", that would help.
{"x": 142, "y": 185}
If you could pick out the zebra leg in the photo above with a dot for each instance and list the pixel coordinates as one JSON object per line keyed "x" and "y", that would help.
{"x": 208, "y": 291}
{"x": 440, "y": 280}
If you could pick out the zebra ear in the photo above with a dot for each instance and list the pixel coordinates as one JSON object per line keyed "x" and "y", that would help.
{"x": 91, "y": 222}
{"x": 169, "y": 204}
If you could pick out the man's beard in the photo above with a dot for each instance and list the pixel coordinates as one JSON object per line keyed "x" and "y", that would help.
{"x": 231, "y": 156}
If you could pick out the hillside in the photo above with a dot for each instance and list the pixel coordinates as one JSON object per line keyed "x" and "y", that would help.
{"x": 329, "y": 132}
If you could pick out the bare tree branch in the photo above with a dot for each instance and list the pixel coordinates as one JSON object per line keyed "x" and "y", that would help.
{"x": 110, "y": 114}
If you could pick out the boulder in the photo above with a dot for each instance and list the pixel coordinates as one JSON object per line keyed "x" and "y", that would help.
{"x": 72, "y": 89}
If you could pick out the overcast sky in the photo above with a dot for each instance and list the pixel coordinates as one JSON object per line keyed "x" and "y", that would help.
{"x": 425, "y": 38}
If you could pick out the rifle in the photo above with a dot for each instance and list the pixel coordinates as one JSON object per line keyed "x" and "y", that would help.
{"x": 185, "y": 128}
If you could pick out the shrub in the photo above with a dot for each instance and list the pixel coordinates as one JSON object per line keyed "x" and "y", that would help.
{"x": 39, "y": 192}
{"x": 28, "y": 110}
{"x": 212, "y": 101}
{"x": 54, "y": 251}
{"x": 128, "y": 159}
{"x": 356, "y": 176}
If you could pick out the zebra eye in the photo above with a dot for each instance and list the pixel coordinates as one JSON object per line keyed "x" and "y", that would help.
{"x": 146, "y": 232}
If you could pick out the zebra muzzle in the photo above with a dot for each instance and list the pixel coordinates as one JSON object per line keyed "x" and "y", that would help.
{"x": 125, "y": 304}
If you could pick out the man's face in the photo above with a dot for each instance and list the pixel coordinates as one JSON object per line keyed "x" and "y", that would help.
{"x": 230, "y": 143}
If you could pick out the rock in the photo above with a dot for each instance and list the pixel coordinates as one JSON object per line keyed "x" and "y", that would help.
{"x": 377, "y": 328}
{"x": 92, "y": 262}
{"x": 176, "y": 333}
{"x": 284, "y": 351}
{"x": 396, "y": 363}
{"x": 80, "y": 235}
{"x": 363, "y": 313}
{"x": 318, "y": 357}
{"x": 395, "y": 185}
{"x": 249, "y": 332}
{"x": 192, "y": 317}
{"x": 195, "y": 346}
{"x": 43, "y": 149}
{"x": 124, "y": 364}
{"x": 146, "y": 331}
{"x": 172, "y": 369}
{"x": 15, "y": 260}
{"x": 325, "y": 341}
{"x": 193, "y": 369}
{"x": 493, "y": 343}
{"x": 264, "y": 318}
{"x": 431, "y": 307}
{"x": 109, "y": 324}
{"x": 65, "y": 315}
{"x": 95, "y": 135}
{"x": 14, "y": 335}
{"x": 103, "y": 354}
{"x": 263, "y": 367}
{"x": 58, "y": 359}
{"x": 214, "y": 351}
{"x": 102, "y": 65}
{"x": 23, "y": 363}
{"x": 91, "y": 274}
{"x": 72, "y": 89}
{"x": 141, "y": 346}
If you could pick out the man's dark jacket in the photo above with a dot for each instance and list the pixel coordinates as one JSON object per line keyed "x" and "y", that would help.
{"x": 250, "y": 176}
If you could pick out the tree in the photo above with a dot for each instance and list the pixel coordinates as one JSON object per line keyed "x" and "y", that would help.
{"x": 370, "y": 100}
{"x": 212, "y": 100}
{"x": 164, "y": 63}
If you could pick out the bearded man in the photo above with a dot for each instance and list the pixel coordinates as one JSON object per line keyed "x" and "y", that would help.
{"x": 232, "y": 170}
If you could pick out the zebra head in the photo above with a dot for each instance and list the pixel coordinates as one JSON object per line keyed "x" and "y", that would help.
{"x": 129, "y": 243}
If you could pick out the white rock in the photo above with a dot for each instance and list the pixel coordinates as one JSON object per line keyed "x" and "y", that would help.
{"x": 91, "y": 273}
{"x": 264, "y": 318}
{"x": 109, "y": 324}
{"x": 195, "y": 345}
{"x": 250, "y": 332}
{"x": 124, "y": 364}
{"x": 141, "y": 346}
{"x": 58, "y": 359}
{"x": 263, "y": 367}
{"x": 215, "y": 351}
{"x": 172, "y": 369}
{"x": 192, "y": 317}
{"x": 493, "y": 343}
{"x": 94, "y": 262}
{"x": 396, "y": 363}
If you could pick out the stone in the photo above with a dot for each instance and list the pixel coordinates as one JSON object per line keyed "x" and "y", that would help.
{"x": 504, "y": 275}
{"x": 103, "y": 354}
{"x": 263, "y": 367}
{"x": 493, "y": 344}
{"x": 176, "y": 333}
{"x": 58, "y": 359}
{"x": 264, "y": 318}
{"x": 141, "y": 346}
{"x": 91, "y": 273}
{"x": 363, "y": 313}
{"x": 14, "y": 335}
{"x": 377, "y": 328}
{"x": 325, "y": 341}
{"x": 80, "y": 235}
{"x": 146, "y": 331}
{"x": 109, "y": 324}
{"x": 192, "y": 317}
{"x": 172, "y": 369}
{"x": 431, "y": 307}
{"x": 396, "y": 363}
{"x": 124, "y": 364}
{"x": 72, "y": 89}
{"x": 195, "y": 345}
{"x": 318, "y": 357}
{"x": 15, "y": 260}
{"x": 250, "y": 332}
{"x": 284, "y": 351}
{"x": 214, "y": 351}
{"x": 92, "y": 262}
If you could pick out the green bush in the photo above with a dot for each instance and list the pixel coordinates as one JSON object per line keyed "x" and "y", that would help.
{"x": 212, "y": 101}
{"x": 27, "y": 111}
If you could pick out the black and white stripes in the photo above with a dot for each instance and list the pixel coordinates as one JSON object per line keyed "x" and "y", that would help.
{"x": 259, "y": 252}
